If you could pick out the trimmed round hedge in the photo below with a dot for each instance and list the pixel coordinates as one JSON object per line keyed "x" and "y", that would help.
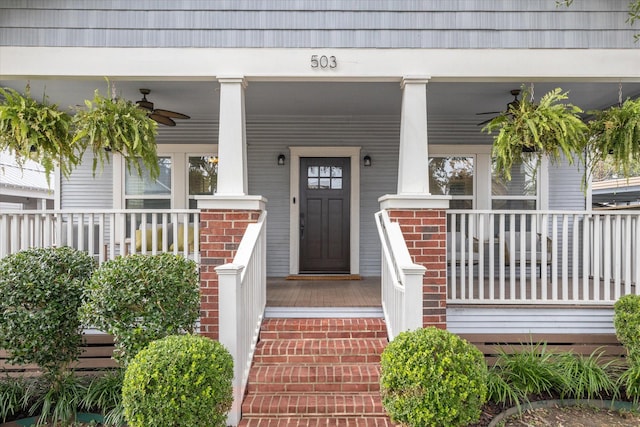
{"x": 141, "y": 298}
{"x": 40, "y": 294}
{"x": 180, "y": 381}
{"x": 431, "y": 377}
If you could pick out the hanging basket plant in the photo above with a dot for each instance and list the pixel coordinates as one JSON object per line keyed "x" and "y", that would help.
{"x": 115, "y": 125}
{"x": 34, "y": 130}
{"x": 615, "y": 136}
{"x": 551, "y": 128}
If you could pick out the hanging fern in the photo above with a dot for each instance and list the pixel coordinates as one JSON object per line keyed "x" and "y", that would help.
{"x": 37, "y": 131}
{"x": 119, "y": 126}
{"x": 615, "y": 136}
{"x": 551, "y": 128}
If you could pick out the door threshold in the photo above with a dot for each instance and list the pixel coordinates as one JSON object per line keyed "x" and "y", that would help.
{"x": 324, "y": 277}
{"x": 323, "y": 312}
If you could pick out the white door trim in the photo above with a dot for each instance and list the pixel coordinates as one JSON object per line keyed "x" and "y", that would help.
{"x": 294, "y": 207}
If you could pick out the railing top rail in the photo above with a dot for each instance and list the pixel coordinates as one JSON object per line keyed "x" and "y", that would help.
{"x": 539, "y": 212}
{"x": 103, "y": 211}
{"x": 249, "y": 240}
{"x": 397, "y": 246}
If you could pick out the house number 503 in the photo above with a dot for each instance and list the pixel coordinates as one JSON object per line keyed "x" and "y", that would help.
{"x": 323, "y": 61}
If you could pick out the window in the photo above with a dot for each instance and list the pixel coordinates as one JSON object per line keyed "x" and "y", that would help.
{"x": 141, "y": 192}
{"x": 324, "y": 178}
{"x": 203, "y": 177}
{"x": 453, "y": 176}
{"x": 521, "y": 192}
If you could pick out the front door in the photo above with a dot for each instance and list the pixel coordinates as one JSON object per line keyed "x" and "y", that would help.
{"x": 324, "y": 214}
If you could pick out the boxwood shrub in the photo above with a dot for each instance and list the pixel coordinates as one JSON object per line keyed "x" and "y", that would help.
{"x": 179, "y": 381}
{"x": 626, "y": 320}
{"x": 141, "y": 298}
{"x": 40, "y": 293}
{"x": 431, "y": 377}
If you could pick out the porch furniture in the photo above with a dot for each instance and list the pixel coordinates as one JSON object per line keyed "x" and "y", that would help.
{"x": 458, "y": 249}
{"x": 521, "y": 252}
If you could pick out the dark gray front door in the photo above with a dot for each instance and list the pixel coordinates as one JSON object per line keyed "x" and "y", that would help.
{"x": 324, "y": 214}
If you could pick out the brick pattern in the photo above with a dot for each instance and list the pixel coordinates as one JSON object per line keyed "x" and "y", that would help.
{"x": 425, "y": 232}
{"x": 220, "y": 234}
{"x": 316, "y": 372}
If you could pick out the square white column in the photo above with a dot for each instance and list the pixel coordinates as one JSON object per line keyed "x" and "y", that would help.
{"x": 232, "y": 139}
{"x": 413, "y": 177}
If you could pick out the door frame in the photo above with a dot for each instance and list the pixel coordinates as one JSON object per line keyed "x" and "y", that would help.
{"x": 353, "y": 153}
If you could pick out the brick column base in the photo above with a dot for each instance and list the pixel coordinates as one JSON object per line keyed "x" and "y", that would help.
{"x": 221, "y": 231}
{"x": 425, "y": 233}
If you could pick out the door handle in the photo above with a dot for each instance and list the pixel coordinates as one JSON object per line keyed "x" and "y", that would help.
{"x": 301, "y": 226}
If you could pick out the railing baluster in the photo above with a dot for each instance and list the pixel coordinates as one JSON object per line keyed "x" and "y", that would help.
{"x": 522, "y": 243}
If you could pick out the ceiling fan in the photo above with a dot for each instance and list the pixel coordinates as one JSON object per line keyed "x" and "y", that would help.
{"x": 513, "y": 104}
{"x": 164, "y": 117}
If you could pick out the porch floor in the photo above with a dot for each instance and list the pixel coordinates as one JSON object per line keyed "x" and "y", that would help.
{"x": 323, "y": 293}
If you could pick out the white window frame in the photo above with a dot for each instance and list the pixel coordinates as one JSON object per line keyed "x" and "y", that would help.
{"x": 482, "y": 175}
{"x": 179, "y": 154}
{"x": 186, "y": 158}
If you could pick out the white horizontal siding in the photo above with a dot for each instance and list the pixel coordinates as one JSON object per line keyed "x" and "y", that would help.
{"x": 480, "y": 320}
{"x": 85, "y": 191}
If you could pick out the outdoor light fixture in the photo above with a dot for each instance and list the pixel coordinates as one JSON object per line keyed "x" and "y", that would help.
{"x": 281, "y": 160}
{"x": 367, "y": 160}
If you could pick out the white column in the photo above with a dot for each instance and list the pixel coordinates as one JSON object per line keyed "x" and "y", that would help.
{"x": 232, "y": 141}
{"x": 413, "y": 161}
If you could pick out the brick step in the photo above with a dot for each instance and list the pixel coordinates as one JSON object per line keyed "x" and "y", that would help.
{"x": 322, "y": 351}
{"x": 315, "y": 378}
{"x": 335, "y": 405}
{"x": 317, "y": 422}
{"x": 322, "y": 328}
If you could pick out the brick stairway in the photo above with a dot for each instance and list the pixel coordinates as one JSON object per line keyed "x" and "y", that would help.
{"x": 316, "y": 372}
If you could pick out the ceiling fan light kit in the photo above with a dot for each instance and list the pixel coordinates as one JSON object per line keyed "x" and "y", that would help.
{"x": 161, "y": 116}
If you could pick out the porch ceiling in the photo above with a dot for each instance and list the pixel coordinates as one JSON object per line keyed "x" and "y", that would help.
{"x": 200, "y": 99}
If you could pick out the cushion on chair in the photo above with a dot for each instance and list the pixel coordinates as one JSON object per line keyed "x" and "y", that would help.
{"x": 149, "y": 237}
{"x": 190, "y": 238}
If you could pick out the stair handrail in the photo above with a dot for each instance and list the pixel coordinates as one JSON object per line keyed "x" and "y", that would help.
{"x": 401, "y": 279}
{"x": 242, "y": 300}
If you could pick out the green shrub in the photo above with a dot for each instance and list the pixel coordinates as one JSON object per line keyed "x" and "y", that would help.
{"x": 585, "y": 377}
{"x": 431, "y": 377}
{"x": 40, "y": 294}
{"x": 141, "y": 298}
{"x": 626, "y": 320}
{"x": 530, "y": 370}
{"x": 13, "y": 397}
{"x": 501, "y": 391}
{"x": 180, "y": 381}
{"x": 630, "y": 379}
{"x": 104, "y": 394}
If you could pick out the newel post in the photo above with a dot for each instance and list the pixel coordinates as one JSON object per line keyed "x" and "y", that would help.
{"x": 413, "y": 296}
{"x": 229, "y": 281}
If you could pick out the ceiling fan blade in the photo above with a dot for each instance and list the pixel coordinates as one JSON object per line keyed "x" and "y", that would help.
{"x": 171, "y": 114}
{"x": 485, "y": 122}
{"x": 162, "y": 119}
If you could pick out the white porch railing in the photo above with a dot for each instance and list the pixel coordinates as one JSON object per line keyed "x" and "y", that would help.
{"x": 401, "y": 280}
{"x": 104, "y": 234}
{"x": 242, "y": 300}
{"x": 550, "y": 257}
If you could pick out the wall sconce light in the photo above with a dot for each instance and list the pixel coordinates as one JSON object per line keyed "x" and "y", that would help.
{"x": 367, "y": 160}
{"x": 281, "y": 160}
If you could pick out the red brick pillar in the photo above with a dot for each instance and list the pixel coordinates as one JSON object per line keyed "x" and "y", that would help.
{"x": 425, "y": 231}
{"x": 221, "y": 231}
